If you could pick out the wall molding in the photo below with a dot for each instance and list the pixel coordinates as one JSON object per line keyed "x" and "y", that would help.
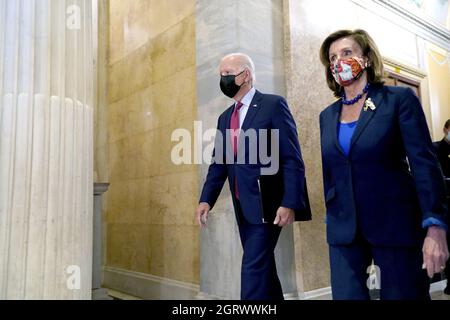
{"x": 147, "y": 286}
{"x": 418, "y": 75}
{"x": 150, "y": 287}
{"x": 401, "y": 68}
{"x": 325, "y": 293}
{"x": 128, "y": 284}
{"x": 318, "y": 294}
{"x": 420, "y": 25}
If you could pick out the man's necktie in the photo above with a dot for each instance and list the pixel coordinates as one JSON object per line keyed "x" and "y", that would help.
{"x": 234, "y": 126}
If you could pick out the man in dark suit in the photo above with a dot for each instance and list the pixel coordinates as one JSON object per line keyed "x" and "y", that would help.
{"x": 266, "y": 196}
{"x": 443, "y": 153}
{"x": 443, "y": 149}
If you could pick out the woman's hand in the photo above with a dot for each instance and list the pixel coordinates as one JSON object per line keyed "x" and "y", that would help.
{"x": 435, "y": 250}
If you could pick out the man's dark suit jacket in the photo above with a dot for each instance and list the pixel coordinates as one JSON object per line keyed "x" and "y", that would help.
{"x": 260, "y": 195}
{"x": 442, "y": 149}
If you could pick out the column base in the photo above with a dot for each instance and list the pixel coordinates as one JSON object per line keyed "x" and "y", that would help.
{"x": 101, "y": 294}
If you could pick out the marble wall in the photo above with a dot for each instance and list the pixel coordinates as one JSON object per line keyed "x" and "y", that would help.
{"x": 101, "y": 133}
{"x": 438, "y": 66}
{"x": 162, "y": 74}
{"x": 255, "y": 28}
{"x": 307, "y": 95}
{"x": 151, "y": 91}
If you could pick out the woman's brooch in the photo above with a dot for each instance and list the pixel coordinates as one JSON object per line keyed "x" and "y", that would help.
{"x": 369, "y": 105}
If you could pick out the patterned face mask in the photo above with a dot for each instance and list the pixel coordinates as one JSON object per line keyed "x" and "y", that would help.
{"x": 345, "y": 72}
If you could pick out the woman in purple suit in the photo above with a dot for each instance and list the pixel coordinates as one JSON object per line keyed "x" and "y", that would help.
{"x": 384, "y": 190}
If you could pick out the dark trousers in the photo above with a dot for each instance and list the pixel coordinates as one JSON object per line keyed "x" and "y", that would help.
{"x": 259, "y": 278}
{"x": 400, "y": 271}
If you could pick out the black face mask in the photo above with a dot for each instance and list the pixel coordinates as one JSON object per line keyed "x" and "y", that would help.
{"x": 229, "y": 86}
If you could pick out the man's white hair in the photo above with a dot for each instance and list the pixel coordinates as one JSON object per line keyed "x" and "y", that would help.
{"x": 245, "y": 61}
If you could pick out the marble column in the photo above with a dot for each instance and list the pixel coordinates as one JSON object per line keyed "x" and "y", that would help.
{"x": 308, "y": 94}
{"x": 254, "y": 27}
{"x": 46, "y": 184}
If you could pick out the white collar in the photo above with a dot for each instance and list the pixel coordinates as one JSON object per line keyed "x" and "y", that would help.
{"x": 247, "y": 99}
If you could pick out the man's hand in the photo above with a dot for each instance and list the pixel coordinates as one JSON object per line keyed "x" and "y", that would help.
{"x": 284, "y": 216}
{"x": 435, "y": 251}
{"x": 202, "y": 213}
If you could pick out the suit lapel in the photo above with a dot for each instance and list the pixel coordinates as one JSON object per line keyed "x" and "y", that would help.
{"x": 366, "y": 115}
{"x": 334, "y": 125}
{"x": 252, "y": 110}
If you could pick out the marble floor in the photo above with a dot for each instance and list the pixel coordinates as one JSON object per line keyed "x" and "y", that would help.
{"x": 436, "y": 292}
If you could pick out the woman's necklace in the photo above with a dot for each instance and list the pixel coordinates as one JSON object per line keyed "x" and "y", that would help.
{"x": 357, "y": 98}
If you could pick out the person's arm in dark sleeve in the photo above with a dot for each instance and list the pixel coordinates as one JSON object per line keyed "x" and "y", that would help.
{"x": 325, "y": 171}
{"x": 217, "y": 173}
{"x": 424, "y": 164}
{"x": 290, "y": 158}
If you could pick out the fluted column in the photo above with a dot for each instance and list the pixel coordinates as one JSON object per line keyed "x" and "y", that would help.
{"x": 46, "y": 187}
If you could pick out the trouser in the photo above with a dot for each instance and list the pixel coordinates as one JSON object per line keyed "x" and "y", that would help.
{"x": 259, "y": 278}
{"x": 400, "y": 272}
